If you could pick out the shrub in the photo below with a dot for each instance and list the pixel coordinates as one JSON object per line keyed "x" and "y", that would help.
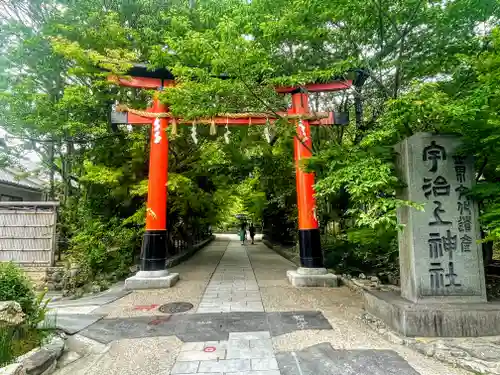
{"x": 101, "y": 248}
{"x": 362, "y": 250}
{"x": 17, "y": 340}
{"x": 16, "y": 286}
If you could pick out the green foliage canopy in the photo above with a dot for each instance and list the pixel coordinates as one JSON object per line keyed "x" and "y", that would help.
{"x": 428, "y": 65}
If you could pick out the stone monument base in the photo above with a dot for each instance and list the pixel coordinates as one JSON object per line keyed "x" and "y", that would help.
{"x": 312, "y": 277}
{"x": 151, "y": 280}
{"x": 433, "y": 319}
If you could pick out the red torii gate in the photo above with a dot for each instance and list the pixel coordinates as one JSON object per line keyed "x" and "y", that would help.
{"x": 154, "y": 246}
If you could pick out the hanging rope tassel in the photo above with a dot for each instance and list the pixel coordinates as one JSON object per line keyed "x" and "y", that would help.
{"x": 157, "y": 132}
{"x": 213, "y": 129}
{"x": 302, "y": 128}
{"x": 194, "y": 135}
{"x": 174, "y": 127}
{"x": 267, "y": 131}
{"x": 227, "y": 134}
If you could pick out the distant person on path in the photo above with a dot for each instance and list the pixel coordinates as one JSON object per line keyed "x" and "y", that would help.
{"x": 243, "y": 232}
{"x": 251, "y": 229}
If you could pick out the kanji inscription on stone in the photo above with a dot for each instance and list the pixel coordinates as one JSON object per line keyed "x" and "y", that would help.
{"x": 434, "y": 153}
{"x": 449, "y": 244}
{"x": 465, "y": 243}
{"x": 462, "y": 192}
{"x": 438, "y": 210}
{"x": 438, "y": 187}
{"x": 440, "y": 254}
{"x": 435, "y": 245}
{"x": 436, "y": 273}
{"x": 459, "y": 168}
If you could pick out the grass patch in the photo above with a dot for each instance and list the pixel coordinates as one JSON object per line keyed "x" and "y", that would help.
{"x": 38, "y": 323}
{"x": 16, "y": 341}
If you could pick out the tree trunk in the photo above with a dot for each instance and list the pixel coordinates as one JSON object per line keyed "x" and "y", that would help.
{"x": 358, "y": 109}
{"x": 52, "y": 192}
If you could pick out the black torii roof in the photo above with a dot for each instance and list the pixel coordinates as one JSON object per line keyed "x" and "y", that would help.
{"x": 141, "y": 70}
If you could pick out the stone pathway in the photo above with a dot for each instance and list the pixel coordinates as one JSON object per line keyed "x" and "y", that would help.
{"x": 74, "y": 315}
{"x": 246, "y": 320}
{"x": 233, "y": 286}
{"x": 249, "y": 353}
{"x": 204, "y": 327}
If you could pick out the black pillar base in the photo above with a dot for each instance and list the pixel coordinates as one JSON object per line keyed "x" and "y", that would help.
{"x": 311, "y": 255}
{"x": 154, "y": 250}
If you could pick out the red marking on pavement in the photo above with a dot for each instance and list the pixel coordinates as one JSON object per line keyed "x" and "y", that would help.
{"x": 158, "y": 321}
{"x": 146, "y": 307}
{"x": 209, "y": 349}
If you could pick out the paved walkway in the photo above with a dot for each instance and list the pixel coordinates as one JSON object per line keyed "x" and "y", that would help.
{"x": 246, "y": 320}
{"x": 233, "y": 286}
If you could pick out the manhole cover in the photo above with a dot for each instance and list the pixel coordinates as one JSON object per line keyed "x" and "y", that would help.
{"x": 175, "y": 307}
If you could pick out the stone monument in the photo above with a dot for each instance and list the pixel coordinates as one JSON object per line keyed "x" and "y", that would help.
{"x": 440, "y": 256}
{"x": 443, "y": 290}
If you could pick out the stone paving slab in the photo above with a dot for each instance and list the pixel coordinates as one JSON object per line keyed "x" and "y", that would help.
{"x": 322, "y": 359}
{"x": 204, "y": 327}
{"x": 244, "y": 353}
{"x": 225, "y": 366}
{"x": 68, "y": 310}
{"x": 72, "y": 323}
{"x": 249, "y": 353}
{"x": 233, "y": 286}
{"x": 285, "y": 322}
{"x": 200, "y": 355}
{"x": 264, "y": 364}
{"x": 97, "y": 300}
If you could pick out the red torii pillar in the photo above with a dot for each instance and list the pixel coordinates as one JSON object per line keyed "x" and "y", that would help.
{"x": 309, "y": 238}
{"x": 312, "y": 271}
{"x": 153, "y": 254}
{"x": 154, "y": 250}
{"x": 153, "y": 273}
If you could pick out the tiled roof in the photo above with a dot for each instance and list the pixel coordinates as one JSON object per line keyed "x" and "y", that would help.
{"x": 13, "y": 177}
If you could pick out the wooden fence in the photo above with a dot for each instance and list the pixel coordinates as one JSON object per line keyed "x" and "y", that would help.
{"x": 28, "y": 233}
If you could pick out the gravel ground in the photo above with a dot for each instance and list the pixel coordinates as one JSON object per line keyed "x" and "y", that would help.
{"x": 146, "y": 356}
{"x": 194, "y": 275}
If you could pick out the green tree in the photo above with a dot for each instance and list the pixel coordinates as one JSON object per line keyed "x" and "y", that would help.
{"x": 227, "y": 56}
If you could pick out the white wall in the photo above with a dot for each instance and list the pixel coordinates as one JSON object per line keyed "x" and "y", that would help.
{"x": 7, "y": 191}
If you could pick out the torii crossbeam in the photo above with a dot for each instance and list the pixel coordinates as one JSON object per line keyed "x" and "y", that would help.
{"x": 154, "y": 247}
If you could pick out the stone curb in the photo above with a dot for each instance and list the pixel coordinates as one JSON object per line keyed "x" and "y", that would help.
{"x": 39, "y": 361}
{"x": 179, "y": 258}
{"x": 356, "y": 288}
{"x": 279, "y": 250}
{"x": 78, "y": 348}
{"x": 451, "y": 351}
{"x": 359, "y": 287}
